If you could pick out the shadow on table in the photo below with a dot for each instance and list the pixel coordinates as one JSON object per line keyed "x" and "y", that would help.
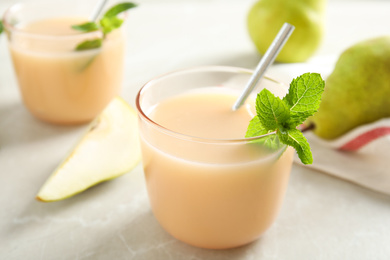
{"x": 18, "y": 126}
{"x": 91, "y": 209}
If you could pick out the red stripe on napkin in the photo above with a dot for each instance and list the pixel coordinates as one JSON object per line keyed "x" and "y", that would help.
{"x": 363, "y": 139}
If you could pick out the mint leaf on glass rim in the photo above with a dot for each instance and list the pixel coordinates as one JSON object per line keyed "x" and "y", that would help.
{"x": 90, "y": 44}
{"x": 255, "y": 128}
{"x": 280, "y": 117}
{"x": 86, "y": 27}
{"x": 1, "y": 27}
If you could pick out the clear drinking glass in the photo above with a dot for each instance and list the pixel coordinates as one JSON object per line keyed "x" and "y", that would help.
{"x": 59, "y": 84}
{"x": 210, "y": 193}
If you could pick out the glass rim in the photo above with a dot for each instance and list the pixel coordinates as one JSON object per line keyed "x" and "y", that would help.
{"x": 11, "y": 28}
{"x": 190, "y": 137}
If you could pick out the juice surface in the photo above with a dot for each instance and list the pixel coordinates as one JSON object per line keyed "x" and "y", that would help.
{"x": 54, "y": 26}
{"x": 204, "y": 115}
{"x": 211, "y": 195}
{"x": 57, "y": 83}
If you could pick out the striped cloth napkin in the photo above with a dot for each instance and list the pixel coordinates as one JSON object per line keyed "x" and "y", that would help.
{"x": 361, "y": 156}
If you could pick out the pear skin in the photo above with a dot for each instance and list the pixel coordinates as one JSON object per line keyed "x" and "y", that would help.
{"x": 358, "y": 90}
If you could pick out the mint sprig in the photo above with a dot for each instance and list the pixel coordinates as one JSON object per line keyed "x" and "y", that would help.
{"x": 280, "y": 117}
{"x": 106, "y": 24}
{"x": 1, "y": 27}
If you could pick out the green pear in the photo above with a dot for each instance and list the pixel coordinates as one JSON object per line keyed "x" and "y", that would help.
{"x": 358, "y": 90}
{"x": 266, "y": 18}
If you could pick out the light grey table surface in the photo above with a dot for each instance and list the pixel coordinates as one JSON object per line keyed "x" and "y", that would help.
{"x": 322, "y": 217}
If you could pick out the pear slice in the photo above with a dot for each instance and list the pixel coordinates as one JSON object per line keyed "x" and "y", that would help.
{"x": 107, "y": 150}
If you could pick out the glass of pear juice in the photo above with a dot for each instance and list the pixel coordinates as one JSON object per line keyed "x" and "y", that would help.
{"x": 208, "y": 186}
{"x": 59, "y": 84}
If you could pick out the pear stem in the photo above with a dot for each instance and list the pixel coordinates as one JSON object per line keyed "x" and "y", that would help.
{"x": 304, "y": 128}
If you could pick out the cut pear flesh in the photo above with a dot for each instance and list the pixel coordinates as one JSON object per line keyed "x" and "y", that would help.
{"x": 108, "y": 149}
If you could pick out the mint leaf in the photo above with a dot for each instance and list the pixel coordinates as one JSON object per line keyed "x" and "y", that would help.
{"x": 110, "y": 23}
{"x": 295, "y": 138}
{"x": 86, "y": 27}
{"x": 255, "y": 128}
{"x": 283, "y": 116}
{"x": 271, "y": 142}
{"x": 271, "y": 110}
{"x": 304, "y": 97}
{"x": 1, "y": 27}
{"x": 119, "y": 8}
{"x": 90, "y": 44}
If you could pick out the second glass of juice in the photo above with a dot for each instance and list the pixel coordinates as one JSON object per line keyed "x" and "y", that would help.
{"x": 59, "y": 84}
{"x": 209, "y": 186}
